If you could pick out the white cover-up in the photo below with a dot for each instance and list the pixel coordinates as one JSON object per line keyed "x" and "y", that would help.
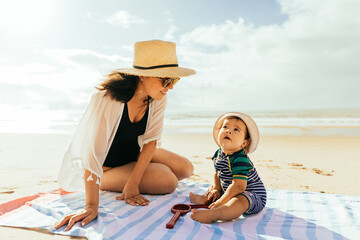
{"x": 94, "y": 136}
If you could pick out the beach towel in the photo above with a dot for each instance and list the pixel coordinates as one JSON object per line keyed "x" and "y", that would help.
{"x": 287, "y": 215}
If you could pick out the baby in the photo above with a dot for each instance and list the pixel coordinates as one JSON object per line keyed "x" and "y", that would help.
{"x": 237, "y": 187}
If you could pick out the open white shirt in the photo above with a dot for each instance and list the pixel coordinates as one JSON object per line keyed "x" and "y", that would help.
{"x": 94, "y": 136}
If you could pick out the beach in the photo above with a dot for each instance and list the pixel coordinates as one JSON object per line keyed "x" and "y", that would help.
{"x": 30, "y": 163}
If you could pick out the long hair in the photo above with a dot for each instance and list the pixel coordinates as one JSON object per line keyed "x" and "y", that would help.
{"x": 121, "y": 87}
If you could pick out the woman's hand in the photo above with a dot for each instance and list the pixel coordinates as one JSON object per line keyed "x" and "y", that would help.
{"x": 85, "y": 215}
{"x": 131, "y": 193}
{"x": 132, "y": 196}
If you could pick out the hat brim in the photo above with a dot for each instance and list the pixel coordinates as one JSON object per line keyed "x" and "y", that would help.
{"x": 158, "y": 72}
{"x": 250, "y": 124}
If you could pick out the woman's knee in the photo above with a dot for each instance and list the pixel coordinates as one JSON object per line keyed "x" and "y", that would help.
{"x": 179, "y": 165}
{"x": 186, "y": 170}
{"x": 169, "y": 185}
{"x": 166, "y": 181}
{"x": 159, "y": 179}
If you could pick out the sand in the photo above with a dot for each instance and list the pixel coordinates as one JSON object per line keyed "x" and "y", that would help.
{"x": 30, "y": 162}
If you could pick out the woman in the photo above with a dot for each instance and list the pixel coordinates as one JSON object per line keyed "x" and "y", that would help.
{"x": 114, "y": 147}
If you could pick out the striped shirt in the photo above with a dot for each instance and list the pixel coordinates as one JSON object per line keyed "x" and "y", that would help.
{"x": 238, "y": 166}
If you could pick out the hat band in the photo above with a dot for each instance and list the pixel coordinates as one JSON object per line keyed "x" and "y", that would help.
{"x": 158, "y": 66}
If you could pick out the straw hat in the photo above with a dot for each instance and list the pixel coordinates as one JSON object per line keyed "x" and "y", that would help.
{"x": 156, "y": 58}
{"x": 250, "y": 124}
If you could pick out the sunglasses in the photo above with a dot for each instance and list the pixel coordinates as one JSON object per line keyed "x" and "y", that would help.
{"x": 167, "y": 81}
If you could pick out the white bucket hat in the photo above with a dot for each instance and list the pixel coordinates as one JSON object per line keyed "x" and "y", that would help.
{"x": 156, "y": 58}
{"x": 250, "y": 124}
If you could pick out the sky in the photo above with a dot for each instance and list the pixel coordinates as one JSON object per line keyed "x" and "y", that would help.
{"x": 257, "y": 55}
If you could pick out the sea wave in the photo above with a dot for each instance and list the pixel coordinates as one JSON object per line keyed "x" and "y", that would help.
{"x": 324, "y": 123}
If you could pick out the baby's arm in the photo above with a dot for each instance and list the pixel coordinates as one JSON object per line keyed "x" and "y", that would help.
{"x": 215, "y": 190}
{"x": 217, "y": 184}
{"x": 236, "y": 187}
{"x": 210, "y": 196}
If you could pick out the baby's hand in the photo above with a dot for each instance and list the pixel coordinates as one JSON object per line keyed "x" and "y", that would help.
{"x": 216, "y": 204}
{"x": 213, "y": 194}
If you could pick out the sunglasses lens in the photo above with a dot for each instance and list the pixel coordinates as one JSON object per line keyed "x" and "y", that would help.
{"x": 167, "y": 81}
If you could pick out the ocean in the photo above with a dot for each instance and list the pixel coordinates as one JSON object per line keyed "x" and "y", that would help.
{"x": 291, "y": 122}
{"x": 343, "y": 122}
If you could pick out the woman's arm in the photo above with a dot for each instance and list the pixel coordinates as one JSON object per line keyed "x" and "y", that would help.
{"x": 131, "y": 192}
{"x": 90, "y": 210}
{"x": 89, "y": 148}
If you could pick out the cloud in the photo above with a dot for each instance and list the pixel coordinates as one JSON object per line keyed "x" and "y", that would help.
{"x": 90, "y": 14}
{"x": 168, "y": 16}
{"x": 309, "y": 61}
{"x": 38, "y": 68}
{"x": 35, "y": 96}
{"x": 71, "y": 57}
{"x": 124, "y": 19}
{"x": 169, "y": 36}
{"x": 66, "y": 81}
{"x": 35, "y": 108}
{"x": 65, "y": 69}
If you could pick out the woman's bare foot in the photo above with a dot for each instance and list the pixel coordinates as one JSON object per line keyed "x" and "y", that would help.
{"x": 204, "y": 216}
{"x": 198, "y": 199}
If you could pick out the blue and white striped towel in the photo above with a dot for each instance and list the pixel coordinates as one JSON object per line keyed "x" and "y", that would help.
{"x": 288, "y": 215}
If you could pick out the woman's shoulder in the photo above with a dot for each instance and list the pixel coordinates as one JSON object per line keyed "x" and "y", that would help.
{"x": 103, "y": 103}
{"x": 100, "y": 96}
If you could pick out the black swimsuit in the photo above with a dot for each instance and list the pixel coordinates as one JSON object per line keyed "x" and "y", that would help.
{"x": 125, "y": 148}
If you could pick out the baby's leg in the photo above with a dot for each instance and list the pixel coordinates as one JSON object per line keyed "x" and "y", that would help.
{"x": 231, "y": 210}
{"x": 198, "y": 199}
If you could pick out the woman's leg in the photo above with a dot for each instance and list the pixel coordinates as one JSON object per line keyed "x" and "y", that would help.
{"x": 161, "y": 176}
{"x": 157, "y": 179}
{"x": 179, "y": 165}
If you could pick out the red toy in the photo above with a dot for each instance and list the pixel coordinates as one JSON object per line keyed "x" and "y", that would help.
{"x": 180, "y": 210}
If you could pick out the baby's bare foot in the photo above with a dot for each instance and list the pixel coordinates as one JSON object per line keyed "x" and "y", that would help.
{"x": 204, "y": 216}
{"x": 198, "y": 199}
